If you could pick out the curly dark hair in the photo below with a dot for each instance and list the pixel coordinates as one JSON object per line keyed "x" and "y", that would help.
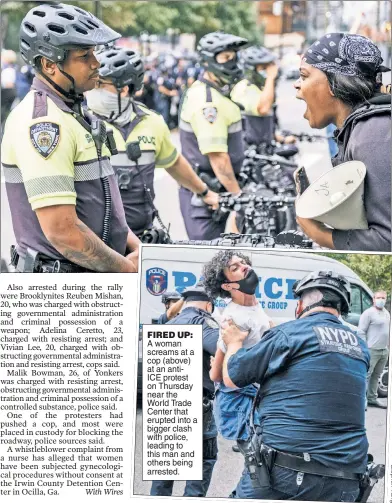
{"x": 213, "y": 275}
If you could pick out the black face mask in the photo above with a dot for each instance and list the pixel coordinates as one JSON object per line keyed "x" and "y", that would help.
{"x": 229, "y": 72}
{"x": 249, "y": 284}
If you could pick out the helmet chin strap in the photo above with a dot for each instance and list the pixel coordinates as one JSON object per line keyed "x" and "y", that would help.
{"x": 71, "y": 94}
{"x": 322, "y": 303}
{"x": 77, "y": 98}
{"x": 112, "y": 117}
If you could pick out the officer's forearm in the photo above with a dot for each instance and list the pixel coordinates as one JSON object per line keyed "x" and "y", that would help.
{"x": 86, "y": 249}
{"x": 182, "y": 172}
{"x": 232, "y": 349}
{"x": 266, "y": 97}
{"x": 217, "y": 366}
{"x": 77, "y": 243}
{"x": 221, "y": 165}
{"x": 174, "y": 309}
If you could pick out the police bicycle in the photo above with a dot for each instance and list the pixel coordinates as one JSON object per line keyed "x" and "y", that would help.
{"x": 289, "y": 239}
{"x": 259, "y": 214}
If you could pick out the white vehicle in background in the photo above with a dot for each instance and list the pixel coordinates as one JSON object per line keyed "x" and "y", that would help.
{"x": 176, "y": 268}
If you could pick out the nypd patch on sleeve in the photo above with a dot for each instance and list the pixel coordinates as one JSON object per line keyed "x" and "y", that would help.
{"x": 211, "y": 114}
{"x": 339, "y": 340}
{"x": 45, "y": 137}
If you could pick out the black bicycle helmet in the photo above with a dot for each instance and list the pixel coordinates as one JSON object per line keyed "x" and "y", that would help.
{"x": 256, "y": 55}
{"x": 324, "y": 281}
{"x": 212, "y": 44}
{"x": 122, "y": 66}
{"x": 50, "y": 29}
{"x": 168, "y": 296}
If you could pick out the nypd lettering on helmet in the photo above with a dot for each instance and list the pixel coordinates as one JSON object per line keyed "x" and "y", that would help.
{"x": 338, "y": 340}
{"x": 156, "y": 281}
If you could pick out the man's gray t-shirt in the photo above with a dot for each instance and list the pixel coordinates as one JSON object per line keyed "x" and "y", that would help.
{"x": 252, "y": 318}
{"x": 375, "y": 324}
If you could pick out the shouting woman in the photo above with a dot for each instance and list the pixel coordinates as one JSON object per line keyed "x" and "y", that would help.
{"x": 340, "y": 81}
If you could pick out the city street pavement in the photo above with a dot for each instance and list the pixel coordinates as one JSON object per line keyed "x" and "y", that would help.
{"x": 230, "y": 464}
{"x": 314, "y": 156}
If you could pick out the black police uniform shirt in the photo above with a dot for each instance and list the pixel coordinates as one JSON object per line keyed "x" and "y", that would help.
{"x": 194, "y": 316}
{"x": 312, "y": 375}
{"x": 50, "y": 159}
{"x": 163, "y": 319}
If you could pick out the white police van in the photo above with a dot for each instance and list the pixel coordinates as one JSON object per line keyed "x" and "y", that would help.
{"x": 176, "y": 268}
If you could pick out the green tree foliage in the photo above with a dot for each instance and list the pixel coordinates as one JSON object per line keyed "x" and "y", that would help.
{"x": 374, "y": 270}
{"x": 131, "y": 17}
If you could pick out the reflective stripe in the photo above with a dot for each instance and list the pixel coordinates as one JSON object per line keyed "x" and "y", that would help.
{"x": 49, "y": 185}
{"x": 235, "y": 128}
{"x": 82, "y": 173}
{"x": 12, "y": 174}
{"x": 185, "y": 126}
{"x": 213, "y": 140}
{"x": 167, "y": 160}
{"x": 91, "y": 170}
{"x": 121, "y": 159}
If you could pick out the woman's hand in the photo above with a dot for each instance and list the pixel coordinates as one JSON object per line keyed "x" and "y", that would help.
{"x": 317, "y": 232}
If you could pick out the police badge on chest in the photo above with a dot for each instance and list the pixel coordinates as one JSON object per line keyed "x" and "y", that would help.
{"x": 211, "y": 114}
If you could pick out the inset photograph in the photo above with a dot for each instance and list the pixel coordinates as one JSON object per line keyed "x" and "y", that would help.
{"x": 211, "y": 122}
{"x": 294, "y": 372}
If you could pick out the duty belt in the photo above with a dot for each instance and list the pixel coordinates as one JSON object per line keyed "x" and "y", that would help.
{"x": 299, "y": 464}
{"x": 39, "y": 263}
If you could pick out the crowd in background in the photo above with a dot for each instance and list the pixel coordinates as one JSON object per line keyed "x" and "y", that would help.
{"x": 166, "y": 78}
{"x": 15, "y": 82}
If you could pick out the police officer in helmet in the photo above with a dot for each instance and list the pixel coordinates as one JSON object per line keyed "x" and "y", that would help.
{"x": 120, "y": 76}
{"x": 312, "y": 374}
{"x": 65, "y": 205}
{"x": 173, "y": 302}
{"x": 256, "y": 93}
{"x": 197, "y": 310}
{"x": 211, "y": 129}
